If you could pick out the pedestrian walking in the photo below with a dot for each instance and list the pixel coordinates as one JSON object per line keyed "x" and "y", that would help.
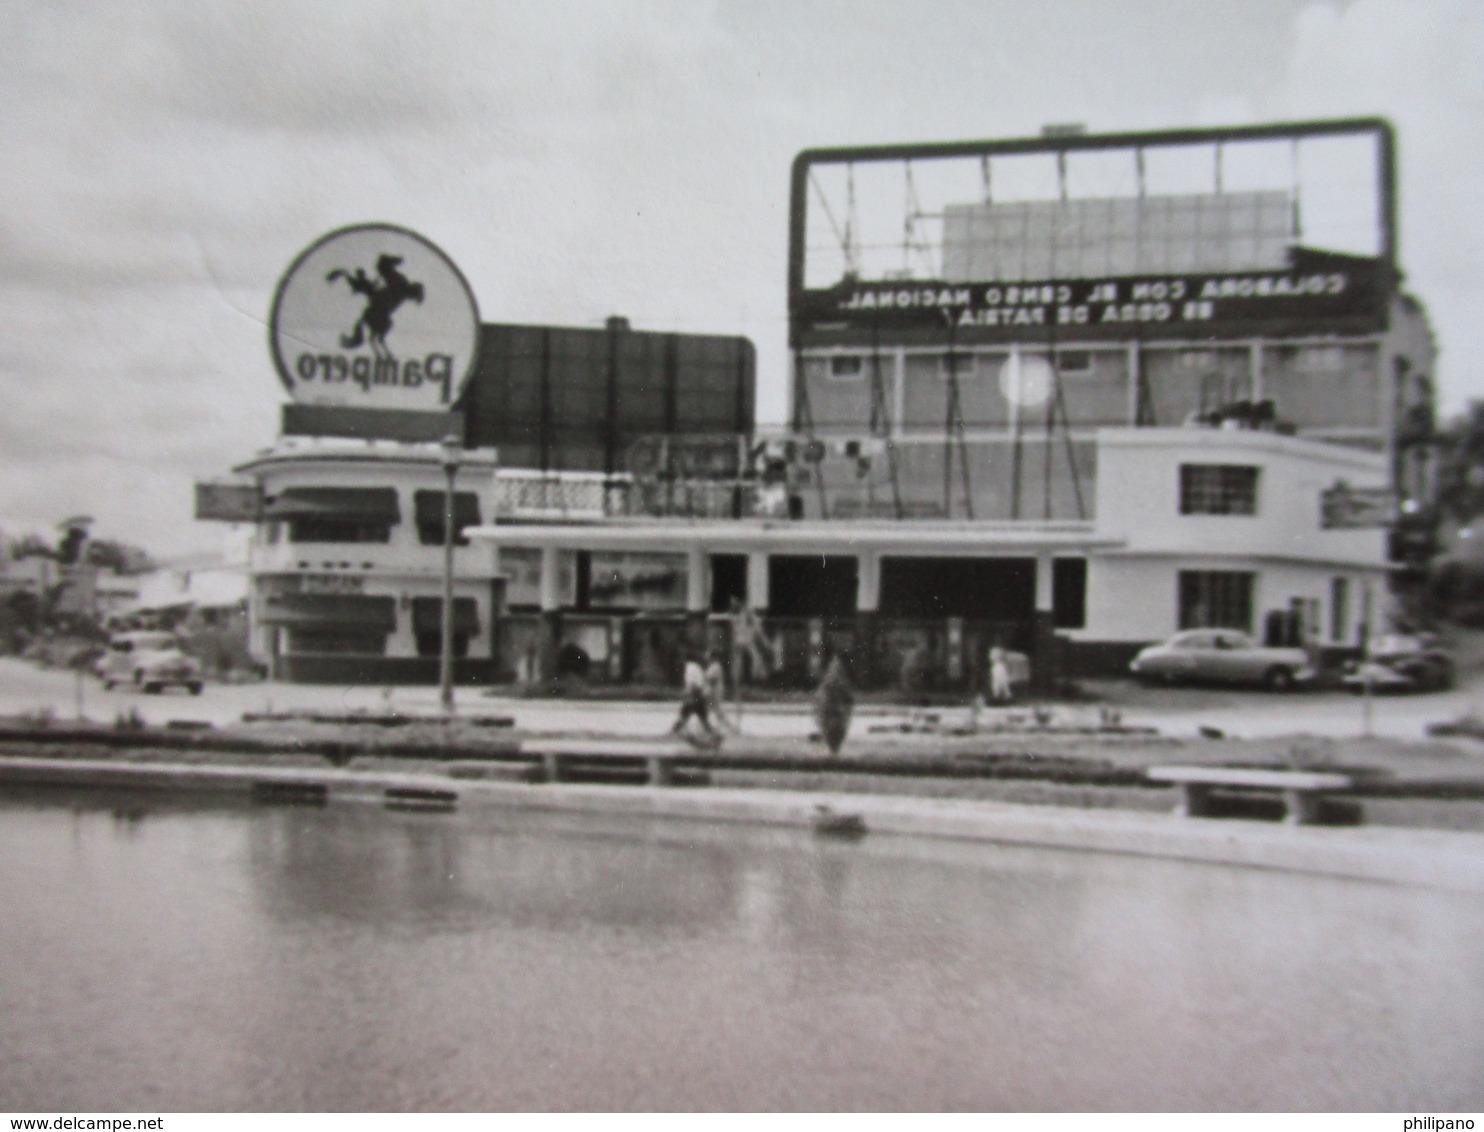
{"x": 999, "y": 675}
{"x": 716, "y": 688}
{"x": 694, "y": 700}
{"x": 834, "y": 703}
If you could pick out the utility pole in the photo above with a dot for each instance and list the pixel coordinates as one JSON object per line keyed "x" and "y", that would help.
{"x": 452, "y": 448}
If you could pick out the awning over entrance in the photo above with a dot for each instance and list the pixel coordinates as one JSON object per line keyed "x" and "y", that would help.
{"x": 338, "y": 609}
{"x": 427, "y": 615}
{"x": 371, "y": 504}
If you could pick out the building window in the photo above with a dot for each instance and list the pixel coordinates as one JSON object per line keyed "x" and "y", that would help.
{"x": 1218, "y": 489}
{"x": 336, "y": 514}
{"x": 338, "y": 528}
{"x": 337, "y": 639}
{"x": 1069, "y": 593}
{"x": 427, "y": 625}
{"x": 846, "y": 367}
{"x": 1216, "y": 599}
{"x": 1074, "y": 362}
{"x": 428, "y": 508}
{"x": 1339, "y": 610}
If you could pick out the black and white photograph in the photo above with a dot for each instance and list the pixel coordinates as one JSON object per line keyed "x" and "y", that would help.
{"x": 731, "y": 556}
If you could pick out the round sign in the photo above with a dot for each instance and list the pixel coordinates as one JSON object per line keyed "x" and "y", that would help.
{"x": 374, "y": 316}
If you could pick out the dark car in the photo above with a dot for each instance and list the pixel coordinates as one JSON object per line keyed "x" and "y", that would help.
{"x": 1402, "y": 662}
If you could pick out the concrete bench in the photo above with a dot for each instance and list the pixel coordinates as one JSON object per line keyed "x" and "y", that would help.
{"x": 1301, "y": 790}
{"x": 658, "y": 760}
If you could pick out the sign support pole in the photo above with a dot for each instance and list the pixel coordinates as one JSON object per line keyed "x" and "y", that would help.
{"x": 445, "y": 653}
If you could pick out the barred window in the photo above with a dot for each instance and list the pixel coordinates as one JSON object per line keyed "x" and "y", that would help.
{"x": 1218, "y": 489}
{"x": 1219, "y": 599}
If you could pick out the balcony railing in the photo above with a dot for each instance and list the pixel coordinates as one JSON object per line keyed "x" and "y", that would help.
{"x": 557, "y": 496}
{"x": 585, "y": 497}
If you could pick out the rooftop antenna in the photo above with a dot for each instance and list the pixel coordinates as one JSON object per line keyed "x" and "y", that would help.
{"x": 852, "y": 225}
{"x": 841, "y": 234}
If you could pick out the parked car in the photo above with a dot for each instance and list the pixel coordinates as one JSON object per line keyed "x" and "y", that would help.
{"x": 1402, "y": 662}
{"x": 150, "y": 661}
{"x": 1222, "y": 656}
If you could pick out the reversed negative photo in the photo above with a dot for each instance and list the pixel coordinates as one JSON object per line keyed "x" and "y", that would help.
{"x": 731, "y": 557}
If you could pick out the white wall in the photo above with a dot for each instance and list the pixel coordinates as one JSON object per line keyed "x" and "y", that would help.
{"x": 1137, "y": 598}
{"x": 1138, "y": 495}
{"x": 402, "y": 568}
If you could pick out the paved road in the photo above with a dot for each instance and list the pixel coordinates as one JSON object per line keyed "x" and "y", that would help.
{"x": 1177, "y": 712}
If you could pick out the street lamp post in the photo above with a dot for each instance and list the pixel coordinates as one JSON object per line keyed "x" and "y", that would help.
{"x": 451, "y": 452}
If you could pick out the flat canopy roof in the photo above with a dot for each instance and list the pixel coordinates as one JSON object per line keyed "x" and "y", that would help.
{"x": 802, "y": 536}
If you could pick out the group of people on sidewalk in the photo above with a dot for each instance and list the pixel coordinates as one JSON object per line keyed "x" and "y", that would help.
{"x": 704, "y": 688}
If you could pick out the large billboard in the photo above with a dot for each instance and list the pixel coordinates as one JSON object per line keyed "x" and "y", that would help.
{"x": 1243, "y": 232}
{"x": 374, "y": 317}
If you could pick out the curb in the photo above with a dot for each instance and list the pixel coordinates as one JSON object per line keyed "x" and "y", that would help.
{"x": 1428, "y": 858}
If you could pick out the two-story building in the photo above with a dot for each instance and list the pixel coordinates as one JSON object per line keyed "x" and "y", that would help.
{"x": 1076, "y": 393}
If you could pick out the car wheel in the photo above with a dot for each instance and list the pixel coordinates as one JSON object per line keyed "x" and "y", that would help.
{"x": 1278, "y": 679}
{"x": 194, "y": 687}
{"x": 153, "y": 688}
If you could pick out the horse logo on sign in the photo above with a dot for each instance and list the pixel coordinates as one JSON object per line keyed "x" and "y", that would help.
{"x": 382, "y": 300}
{"x": 374, "y": 316}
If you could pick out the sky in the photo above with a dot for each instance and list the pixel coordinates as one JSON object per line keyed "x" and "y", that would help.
{"x": 164, "y": 163}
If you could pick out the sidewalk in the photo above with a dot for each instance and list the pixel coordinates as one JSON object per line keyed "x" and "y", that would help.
{"x": 1250, "y": 723}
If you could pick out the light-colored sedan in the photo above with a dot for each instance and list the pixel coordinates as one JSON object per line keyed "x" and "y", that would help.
{"x": 1222, "y": 656}
{"x": 150, "y": 661}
